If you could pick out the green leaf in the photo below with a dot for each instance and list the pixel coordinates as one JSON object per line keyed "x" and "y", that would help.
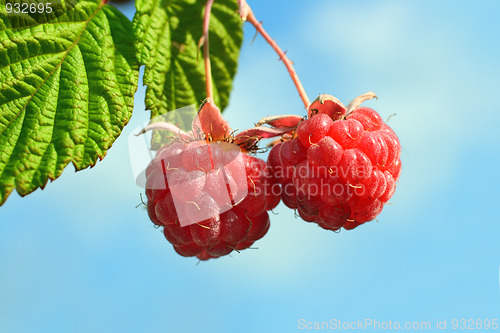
{"x": 66, "y": 92}
{"x": 168, "y": 32}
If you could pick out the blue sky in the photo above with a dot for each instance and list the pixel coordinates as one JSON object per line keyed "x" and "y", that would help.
{"x": 79, "y": 257}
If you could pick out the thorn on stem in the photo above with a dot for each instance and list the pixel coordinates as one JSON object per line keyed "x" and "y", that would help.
{"x": 254, "y": 37}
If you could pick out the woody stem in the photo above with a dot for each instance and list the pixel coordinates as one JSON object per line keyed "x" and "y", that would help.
{"x": 250, "y": 17}
{"x": 206, "y": 49}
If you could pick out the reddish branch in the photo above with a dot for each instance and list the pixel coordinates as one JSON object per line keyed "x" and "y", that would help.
{"x": 206, "y": 49}
{"x": 247, "y": 14}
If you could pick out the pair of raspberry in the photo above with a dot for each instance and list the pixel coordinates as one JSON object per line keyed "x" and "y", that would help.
{"x": 337, "y": 168}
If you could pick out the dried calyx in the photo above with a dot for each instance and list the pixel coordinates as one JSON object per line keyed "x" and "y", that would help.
{"x": 323, "y": 104}
{"x": 209, "y": 126}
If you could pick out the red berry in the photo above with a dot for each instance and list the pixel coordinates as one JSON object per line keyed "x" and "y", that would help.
{"x": 347, "y": 132}
{"x": 327, "y": 152}
{"x": 369, "y": 118}
{"x": 312, "y": 131}
{"x": 185, "y": 185}
{"x": 354, "y": 167}
{"x": 156, "y": 185}
{"x": 348, "y": 170}
{"x": 165, "y": 211}
{"x": 289, "y": 196}
{"x": 210, "y": 199}
{"x": 197, "y": 156}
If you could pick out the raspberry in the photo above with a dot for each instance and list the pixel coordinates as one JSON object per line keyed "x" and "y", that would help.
{"x": 342, "y": 165}
{"x": 223, "y": 231}
{"x": 210, "y": 197}
{"x": 312, "y": 131}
